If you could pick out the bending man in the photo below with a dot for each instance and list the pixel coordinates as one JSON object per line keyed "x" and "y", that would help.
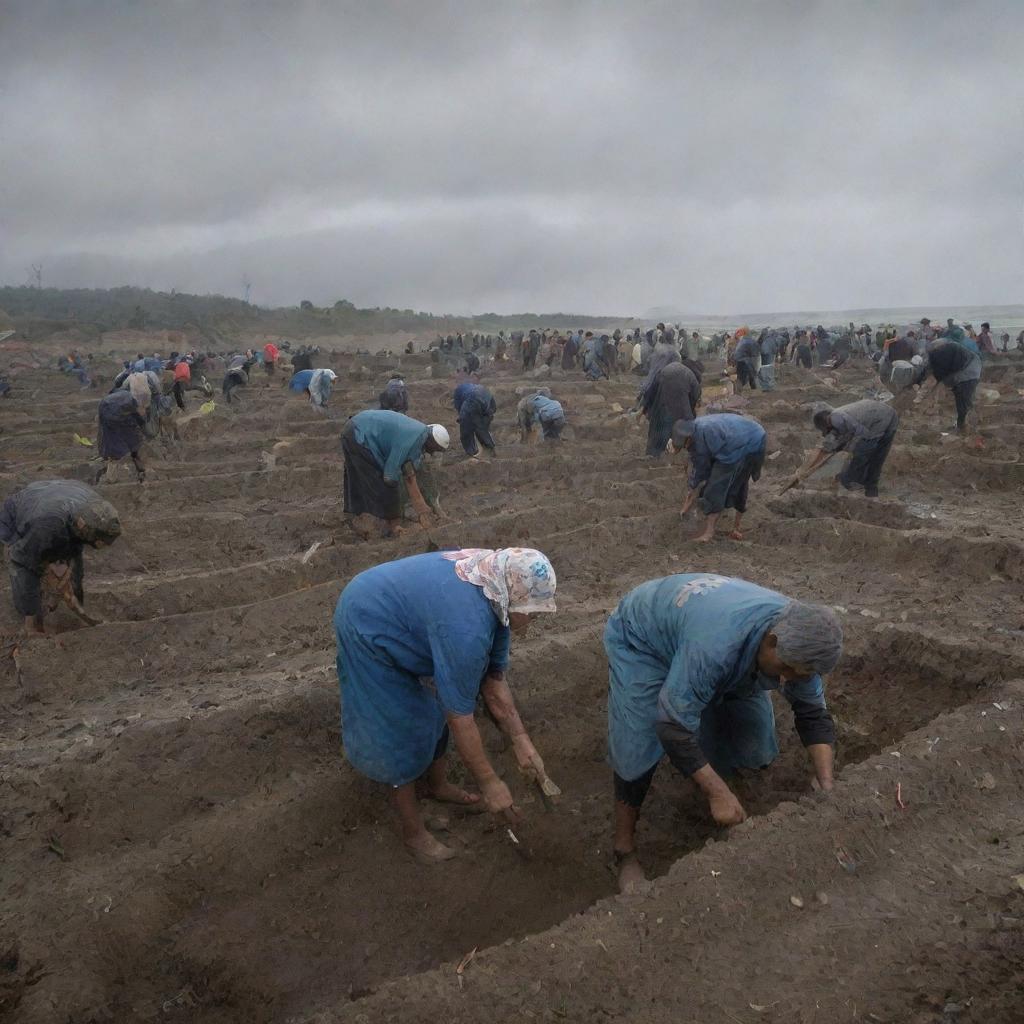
{"x": 44, "y": 525}
{"x": 381, "y": 449}
{"x": 866, "y": 429}
{"x": 475, "y": 406}
{"x": 726, "y": 453}
{"x": 543, "y": 409}
{"x": 691, "y": 658}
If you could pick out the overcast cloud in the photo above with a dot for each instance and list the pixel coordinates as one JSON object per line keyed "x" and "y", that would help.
{"x": 476, "y": 156}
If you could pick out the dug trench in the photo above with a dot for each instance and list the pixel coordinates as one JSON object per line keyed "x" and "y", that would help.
{"x": 185, "y": 838}
{"x": 232, "y": 856}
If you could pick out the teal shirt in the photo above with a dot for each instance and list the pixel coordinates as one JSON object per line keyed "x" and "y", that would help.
{"x": 393, "y": 439}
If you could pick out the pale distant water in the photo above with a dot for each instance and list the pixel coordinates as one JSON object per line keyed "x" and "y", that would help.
{"x": 1002, "y": 318}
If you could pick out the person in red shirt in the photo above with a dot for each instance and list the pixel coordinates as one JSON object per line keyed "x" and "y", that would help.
{"x": 182, "y": 378}
{"x": 270, "y": 354}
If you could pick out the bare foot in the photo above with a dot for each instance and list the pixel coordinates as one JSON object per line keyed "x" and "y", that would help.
{"x": 735, "y": 535}
{"x": 703, "y": 538}
{"x": 449, "y": 793}
{"x": 631, "y": 875}
{"x": 428, "y": 850}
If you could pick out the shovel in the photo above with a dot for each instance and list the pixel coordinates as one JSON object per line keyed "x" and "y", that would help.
{"x": 800, "y": 476}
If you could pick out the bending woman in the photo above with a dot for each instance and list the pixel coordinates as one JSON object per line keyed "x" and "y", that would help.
{"x": 419, "y": 639}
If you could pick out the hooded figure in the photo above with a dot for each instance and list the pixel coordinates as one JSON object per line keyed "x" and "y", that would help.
{"x": 121, "y": 431}
{"x": 674, "y": 395}
{"x": 50, "y": 522}
{"x": 321, "y": 383}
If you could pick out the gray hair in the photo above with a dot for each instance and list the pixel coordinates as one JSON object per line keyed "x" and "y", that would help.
{"x": 809, "y": 636}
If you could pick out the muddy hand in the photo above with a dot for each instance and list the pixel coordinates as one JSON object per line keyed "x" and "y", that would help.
{"x": 513, "y": 815}
{"x": 497, "y": 798}
{"x": 726, "y": 809}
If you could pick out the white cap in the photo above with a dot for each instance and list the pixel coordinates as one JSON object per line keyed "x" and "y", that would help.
{"x": 440, "y": 436}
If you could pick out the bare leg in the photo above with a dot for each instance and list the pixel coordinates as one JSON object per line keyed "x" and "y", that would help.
{"x": 631, "y": 874}
{"x": 437, "y": 787}
{"x": 34, "y": 624}
{"x": 736, "y": 534}
{"x": 709, "y": 529}
{"x": 420, "y": 843}
{"x": 139, "y": 467}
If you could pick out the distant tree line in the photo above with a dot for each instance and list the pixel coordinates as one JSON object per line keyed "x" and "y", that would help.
{"x": 109, "y": 309}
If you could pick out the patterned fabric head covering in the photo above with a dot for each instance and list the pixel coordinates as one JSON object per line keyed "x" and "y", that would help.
{"x": 513, "y": 579}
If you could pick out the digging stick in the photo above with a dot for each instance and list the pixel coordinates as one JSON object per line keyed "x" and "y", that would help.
{"x": 800, "y": 476}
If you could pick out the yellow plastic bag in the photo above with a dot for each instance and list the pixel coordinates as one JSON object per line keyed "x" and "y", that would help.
{"x": 83, "y": 440}
{"x": 207, "y": 407}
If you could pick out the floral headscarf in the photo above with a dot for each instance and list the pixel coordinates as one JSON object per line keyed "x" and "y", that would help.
{"x": 513, "y": 579}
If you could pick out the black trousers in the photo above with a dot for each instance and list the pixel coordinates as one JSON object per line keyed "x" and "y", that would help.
{"x": 179, "y": 393}
{"x": 364, "y": 488}
{"x": 659, "y": 429}
{"x": 728, "y": 484}
{"x": 745, "y": 373}
{"x": 552, "y": 429}
{"x": 867, "y": 460}
{"x": 963, "y": 396}
{"x": 475, "y": 425}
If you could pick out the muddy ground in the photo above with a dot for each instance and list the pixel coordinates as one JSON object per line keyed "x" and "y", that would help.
{"x": 182, "y": 839}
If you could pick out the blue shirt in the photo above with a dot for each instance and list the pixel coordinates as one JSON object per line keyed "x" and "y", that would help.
{"x": 677, "y": 645}
{"x": 414, "y": 643}
{"x": 722, "y": 437}
{"x": 393, "y": 439}
{"x": 547, "y": 409}
{"x": 300, "y": 381}
{"x": 747, "y": 348}
{"x": 771, "y": 345}
{"x": 462, "y": 392}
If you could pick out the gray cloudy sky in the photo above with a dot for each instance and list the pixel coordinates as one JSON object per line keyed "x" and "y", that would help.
{"x": 474, "y": 156}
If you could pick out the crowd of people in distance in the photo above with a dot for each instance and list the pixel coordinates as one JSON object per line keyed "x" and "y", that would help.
{"x": 692, "y": 657}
